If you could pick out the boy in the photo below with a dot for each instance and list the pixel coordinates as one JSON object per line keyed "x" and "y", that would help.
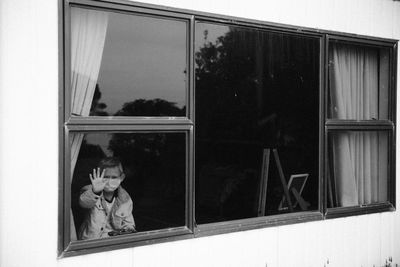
{"x": 109, "y": 205}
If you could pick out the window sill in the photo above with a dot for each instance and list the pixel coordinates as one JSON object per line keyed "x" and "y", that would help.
{"x": 359, "y": 210}
{"x": 82, "y": 247}
{"x": 256, "y": 223}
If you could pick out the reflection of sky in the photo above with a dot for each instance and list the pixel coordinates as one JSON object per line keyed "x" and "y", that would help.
{"x": 213, "y": 32}
{"x": 143, "y": 58}
{"x": 100, "y": 139}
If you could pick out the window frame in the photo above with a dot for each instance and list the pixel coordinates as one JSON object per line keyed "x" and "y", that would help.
{"x": 72, "y": 124}
{"x": 68, "y": 124}
{"x": 385, "y": 125}
{"x": 271, "y": 220}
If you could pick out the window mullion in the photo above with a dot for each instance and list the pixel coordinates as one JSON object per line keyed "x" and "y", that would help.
{"x": 359, "y": 125}
{"x": 117, "y": 127}
{"x": 129, "y": 121}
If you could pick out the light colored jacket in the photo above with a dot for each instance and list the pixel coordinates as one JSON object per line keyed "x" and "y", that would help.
{"x": 119, "y": 217}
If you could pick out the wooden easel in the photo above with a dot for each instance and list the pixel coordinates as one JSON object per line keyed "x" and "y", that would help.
{"x": 264, "y": 182}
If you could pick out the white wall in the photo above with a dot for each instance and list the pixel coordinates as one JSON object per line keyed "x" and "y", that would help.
{"x": 29, "y": 151}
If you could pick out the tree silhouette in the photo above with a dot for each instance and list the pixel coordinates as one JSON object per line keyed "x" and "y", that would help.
{"x": 254, "y": 90}
{"x": 155, "y": 166}
{"x": 154, "y": 107}
{"x": 247, "y": 76}
{"x": 97, "y": 108}
{"x": 139, "y": 152}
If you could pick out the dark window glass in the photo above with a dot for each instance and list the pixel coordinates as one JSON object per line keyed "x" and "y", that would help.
{"x": 154, "y": 167}
{"x": 359, "y": 82}
{"x": 359, "y": 168}
{"x": 127, "y": 64}
{"x": 257, "y": 93}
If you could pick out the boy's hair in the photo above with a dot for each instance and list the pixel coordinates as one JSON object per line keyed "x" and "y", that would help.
{"x": 111, "y": 162}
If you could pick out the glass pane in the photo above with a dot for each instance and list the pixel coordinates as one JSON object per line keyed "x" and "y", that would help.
{"x": 150, "y": 168}
{"x": 359, "y": 82}
{"x": 358, "y": 168}
{"x": 255, "y": 90}
{"x": 127, "y": 65}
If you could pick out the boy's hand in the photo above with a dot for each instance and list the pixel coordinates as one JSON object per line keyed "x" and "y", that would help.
{"x": 97, "y": 181}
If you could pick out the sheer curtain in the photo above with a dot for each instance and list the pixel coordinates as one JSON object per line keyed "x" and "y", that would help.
{"x": 88, "y": 33}
{"x": 359, "y": 172}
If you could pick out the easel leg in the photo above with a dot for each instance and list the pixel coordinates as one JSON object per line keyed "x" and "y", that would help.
{"x": 303, "y": 204}
{"x": 262, "y": 198}
{"x": 283, "y": 181}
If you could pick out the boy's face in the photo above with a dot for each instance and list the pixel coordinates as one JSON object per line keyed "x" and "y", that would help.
{"x": 113, "y": 177}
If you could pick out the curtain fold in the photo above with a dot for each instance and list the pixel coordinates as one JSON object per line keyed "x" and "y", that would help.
{"x": 360, "y": 174}
{"x": 88, "y": 33}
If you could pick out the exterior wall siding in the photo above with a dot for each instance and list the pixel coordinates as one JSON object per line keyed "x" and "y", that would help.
{"x": 29, "y": 151}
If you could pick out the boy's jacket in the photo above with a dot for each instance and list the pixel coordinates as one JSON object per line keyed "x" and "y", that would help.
{"x": 94, "y": 225}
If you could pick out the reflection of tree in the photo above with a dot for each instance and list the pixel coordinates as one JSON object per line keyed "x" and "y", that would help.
{"x": 97, "y": 108}
{"x": 251, "y": 84}
{"x": 140, "y": 152}
{"x": 139, "y": 107}
{"x": 155, "y": 176}
{"x": 257, "y": 89}
{"x": 154, "y": 107}
{"x": 155, "y": 167}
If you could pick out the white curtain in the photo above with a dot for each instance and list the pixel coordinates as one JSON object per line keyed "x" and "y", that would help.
{"x": 88, "y": 33}
{"x": 359, "y": 168}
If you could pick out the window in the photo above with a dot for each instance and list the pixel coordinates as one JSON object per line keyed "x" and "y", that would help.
{"x": 360, "y": 125}
{"x": 127, "y": 114}
{"x": 154, "y": 166}
{"x": 176, "y": 125}
{"x": 256, "y": 90}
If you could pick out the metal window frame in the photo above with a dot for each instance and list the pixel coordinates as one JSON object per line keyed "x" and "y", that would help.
{"x": 71, "y": 124}
{"x": 186, "y": 124}
{"x": 282, "y": 219}
{"x": 139, "y": 237}
{"x": 385, "y": 125}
